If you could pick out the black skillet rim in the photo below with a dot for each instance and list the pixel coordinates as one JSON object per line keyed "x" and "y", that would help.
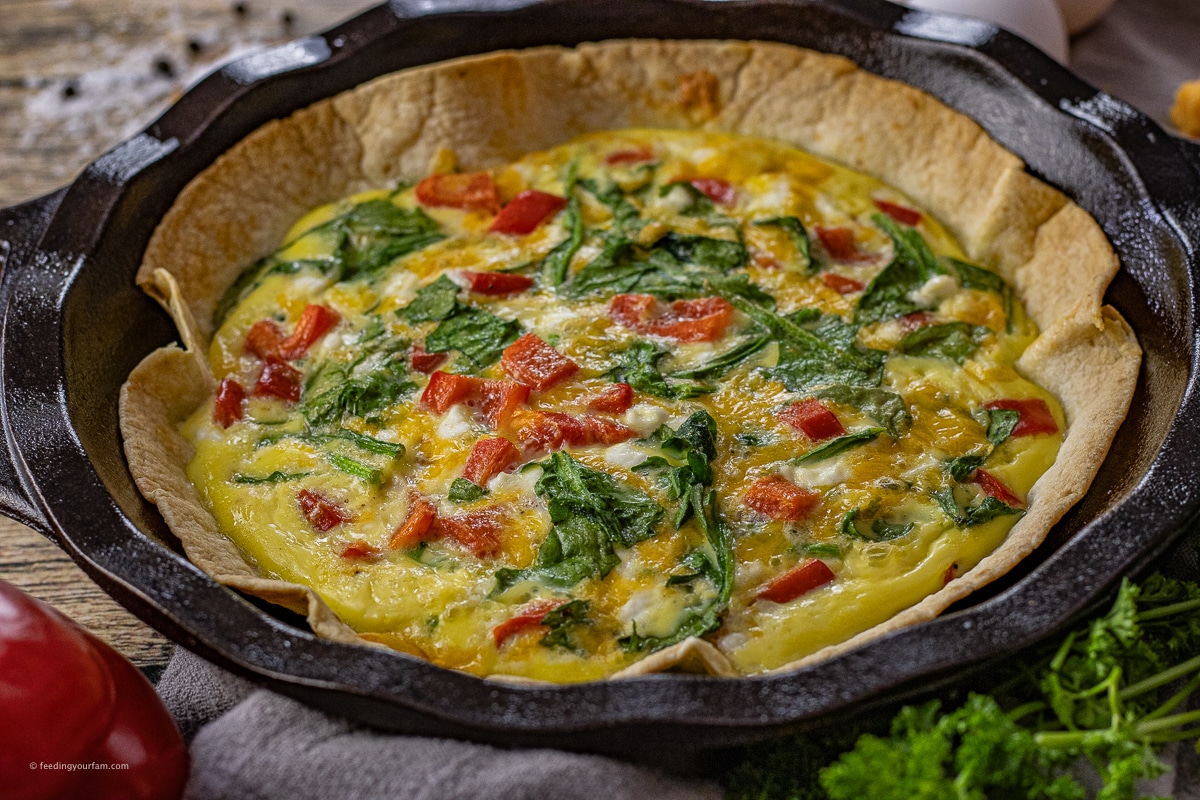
{"x": 396, "y": 691}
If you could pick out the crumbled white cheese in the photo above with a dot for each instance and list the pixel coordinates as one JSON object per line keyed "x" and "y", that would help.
{"x": 937, "y": 288}
{"x": 645, "y": 418}
{"x": 624, "y": 455}
{"x": 675, "y": 200}
{"x": 400, "y": 285}
{"x": 732, "y": 642}
{"x": 520, "y": 482}
{"x": 830, "y": 472}
{"x": 456, "y": 423}
{"x": 638, "y": 604}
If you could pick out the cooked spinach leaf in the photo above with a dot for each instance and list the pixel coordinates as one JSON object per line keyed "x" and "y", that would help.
{"x": 612, "y": 271}
{"x": 433, "y": 302}
{"x": 637, "y": 366}
{"x": 356, "y": 468}
{"x": 974, "y": 277}
{"x": 626, "y": 219}
{"x": 464, "y": 491}
{"x": 838, "y": 446}
{"x": 887, "y": 296}
{"x": 558, "y": 260}
{"x": 886, "y": 408}
{"x": 962, "y": 466}
{"x": 799, "y": 236}
{"x": 881, "y": 531}
{"x": 985, "y": 511}
{"x": 726, "y": 362}
{"x": 479, "y": 336}
{"x": 1001, "y": 422}
{"x": 360, "y": 389}
{"x": 277, "y": 476}
{"x": 375, "y": 233}
{"x": 560, "y": 621}
{"x": 951, "y": 341}
{"x": 721, "y": 254}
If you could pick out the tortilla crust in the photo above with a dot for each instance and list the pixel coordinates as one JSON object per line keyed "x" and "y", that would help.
{"x": 492, "y": 109}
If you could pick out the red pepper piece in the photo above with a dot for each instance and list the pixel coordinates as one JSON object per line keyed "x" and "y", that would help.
{"x": 994, "y": 487}
{"x": 425, "y": 362}
{"x": 915, "y": 320}
{"x": 360, "y": 551}
{"x": 720, "y": 192}
{"x": 489, "y": 457}
{"x": 764, "y": 260}
{"x": 264, "y": 339}
{"x": 477, "y": 531}
{"x": 228, "y": 407}
{"x": 703, "y": 319}
{"x": 445, "y": 390}
{"x": 1036, "y": 417}
{"x": 631, "y": 156}
{"x": 813, "y": 419}
{"x": 534, "y": 363}
{"x": 279, "y": 379}
{"x": 796, "y": 582}
{"x": 902, "y": 214}
{"x": 471, "y": 191}
{"x": 616, "y": 398}
{"x": 780, "y": 499}
{"x": 499, "y": 400}
{"x": 527, "y": 617}
{"x": 497, "y": 284}
{"x": 417, "y": 526}
{"x": 526, "y": 211}
{"x": 322, "y": 513}
{"x": 839, "y": 243}
{"x": 841, "y": 284}
{"x": 598, "y": 430}
{"x": 315, "y": 321}
{"x": 547, "y": 431}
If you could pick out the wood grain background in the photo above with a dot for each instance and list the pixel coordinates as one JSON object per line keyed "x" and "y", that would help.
{"x": 76, "y": 78}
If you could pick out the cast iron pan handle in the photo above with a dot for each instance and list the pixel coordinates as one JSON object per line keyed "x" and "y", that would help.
{"x": 21, "y": 228}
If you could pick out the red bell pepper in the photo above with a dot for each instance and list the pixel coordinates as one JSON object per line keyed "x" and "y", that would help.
{"x": 796, "y": 582}
{"x": 614, "y": 399}
{"x": 322, "y": 513}
{"x": 839, "y": 243}
{"x": 1036, "y": 417}
{"x": 497, "y": 400}
{"x": 228, "y": 407}
{"x": 526, "y": 211}
{"x": 265, "y": 341}
{"x": 703, "y": 319}
{"x": 471, "y": 191}
{"x": 994, "y": 487}
{"x": 720, "y": 192}
{"x": 813, "y": 419}
{"x": 841, "y": 284}
{"x": 497, "y": 284}
{"x": 780, "y": 499}
{"x": 70, "y": 699}
{"x": 425, "y": 362}
{"x": 489, "y": 457}
{"x": 527, "y": 617}
{"x": 631, "y": 156}
{"x": 477, "y": 531}
{"x": 902, "y": 214}
{"x": 417, "y": 526}
{"x": 531, "y": 361}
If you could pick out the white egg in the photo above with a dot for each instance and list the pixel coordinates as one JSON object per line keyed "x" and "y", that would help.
{"x": 1038, "y": 21}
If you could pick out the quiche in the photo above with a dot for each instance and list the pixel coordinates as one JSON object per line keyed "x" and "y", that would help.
{"x": 569, "y": 364}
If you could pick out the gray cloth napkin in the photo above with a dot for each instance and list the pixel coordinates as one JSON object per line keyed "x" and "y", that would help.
{"x": 252, "y": 744}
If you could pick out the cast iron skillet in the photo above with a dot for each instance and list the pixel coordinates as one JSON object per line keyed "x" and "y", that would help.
{"x": 74, "y": 326}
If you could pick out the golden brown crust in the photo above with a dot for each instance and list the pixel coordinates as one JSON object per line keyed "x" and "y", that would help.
{"x": 492, "y": 109}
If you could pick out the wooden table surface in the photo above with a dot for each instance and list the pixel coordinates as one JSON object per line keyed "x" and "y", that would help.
{"x": 76, "y": 78}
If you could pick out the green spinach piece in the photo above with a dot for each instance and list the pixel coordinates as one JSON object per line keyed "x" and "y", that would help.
{"x": 1001, "y": 422}
{"x": 885, "y": 407}
{"x": 721, "y": 254}
{"x": 479, "y": 336}
{"x": 799, "y": 236}
{"x": 887, "y": 296}
{"x": 719, "y": 366}
{"x": 951, "y": 341}
{"x": 881, "y": 531}
{"x": 626, "y": 220}
{"x": 699, "y": 204}
{"x": 966, "y": 517}
{"x": 433, "y": 302}
{"x": 361, "y": 389}
{"x": 555, "y": 266}
{"x": 971, "y": 276}
{"x": 356, "y": 468}
{"x": 612, "y": 271}
{"x": 277, "y": 476}
{"x": 638, "y": 366}
{"x": 962, "y": 466}
{"x": 839, "y": 445}
{"x": 560, "y": 621}
{"x": 464, "y": 491}
{"x": 375, "y": 233}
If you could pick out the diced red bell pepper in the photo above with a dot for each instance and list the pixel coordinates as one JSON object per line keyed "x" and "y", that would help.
{"x": 527, "y": 617}
{"x": 916, "y": 320}
{"x": 360, "y": 551}
{"x": 797, "y": 582}
{"x": 497, "y": 284}
{"x": 417, "y": 526}
{"x": 534, "y": 363}
{"x": 631, "y": 156}
{"x": 764, "y": 260}
{"x": 489, "y": 457}
{"x": 616, "y": 398}
{"x": 547, "y": 431}
{"x": 279, "y": 379}
{"x": 994, "y": 487}
{"x": 322, "y": 513}
{"x": 703, "y": 319}
{"x": 841, "y": 284}
{"x": 902, "y": 214}
{"x": 1036, "y": 417}
{"x": 526, "y": 211}
{"x": 780, "y": 499}
{"x": 423, "y": 361}
{"x": 315, "y": 321}
{"x": 264, "y": 339}
{"x": 228, "y": 407}
{"x": 497, "y": 400}
{"x": 720, "y": 192}
{"x": 470, "y": 191}
{"x": 813, "y": 419}
{"x": 839, "y": 243}
{"x": 478, "y": 531}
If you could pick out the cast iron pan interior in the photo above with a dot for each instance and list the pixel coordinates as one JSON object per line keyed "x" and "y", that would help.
{"x": 75, "y": 326}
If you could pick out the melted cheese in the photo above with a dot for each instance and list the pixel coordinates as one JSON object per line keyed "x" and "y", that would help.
{"x": 440, "y": 601}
